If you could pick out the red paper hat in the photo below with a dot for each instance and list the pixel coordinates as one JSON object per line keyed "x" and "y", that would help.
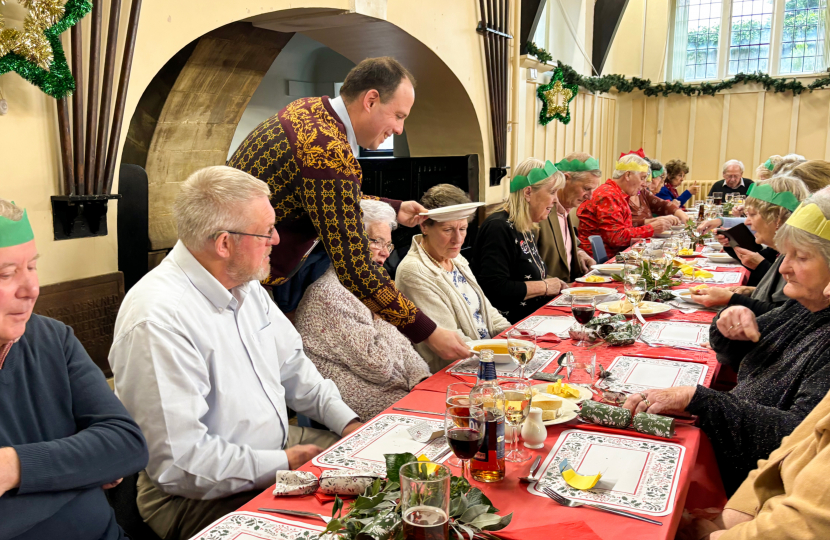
{"x": 636, "y": 152}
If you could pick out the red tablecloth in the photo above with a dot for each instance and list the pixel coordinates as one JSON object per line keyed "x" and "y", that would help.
{"x": 539, "y": 518}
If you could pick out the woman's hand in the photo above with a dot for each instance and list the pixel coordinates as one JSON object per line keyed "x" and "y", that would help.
{"x": 554, "y": 286}
{"x": 743, "y": 290}
{"x": 711, "y": 296}
{"x": 665, "y": 401}
{"x": 724, "y": 241}
{"x": 750, "y": 259}
{"x": 738, "y": 323}
{"x": 738, "y": 211}
{"x": 709, "y": 225}
{"x": 695, "y": 189}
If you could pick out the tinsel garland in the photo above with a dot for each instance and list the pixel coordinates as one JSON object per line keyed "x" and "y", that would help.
{"x": 57, "y": 80}
{"x": 625, "y": 85}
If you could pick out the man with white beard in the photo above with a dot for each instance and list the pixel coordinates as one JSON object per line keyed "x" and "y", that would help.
{"x": 207, "y": 363}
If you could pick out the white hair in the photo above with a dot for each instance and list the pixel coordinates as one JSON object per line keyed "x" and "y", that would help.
{"x": 212, "y": 200}
{"x": 10, "y": 211}
{"x": 733, "y": 162}
{"x": 630, "y": 158}
{"x": 800, "y": 239}
{"x": 378, "y": 212}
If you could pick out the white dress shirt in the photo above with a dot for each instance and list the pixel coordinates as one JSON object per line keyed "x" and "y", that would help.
{"x": 207, "y": 374}
{"x": 340, "y": 108}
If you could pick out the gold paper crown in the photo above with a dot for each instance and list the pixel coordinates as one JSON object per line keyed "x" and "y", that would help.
{"x": 809, "y": 218}
{"x": 632, "y": 166}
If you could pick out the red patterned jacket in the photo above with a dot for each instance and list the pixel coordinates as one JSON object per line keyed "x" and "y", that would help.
{"x": 608, "y": 215}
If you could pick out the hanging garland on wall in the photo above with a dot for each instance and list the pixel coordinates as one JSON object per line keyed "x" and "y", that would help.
{"x": 35, "y": 53}
{"x": 624, "y": 85}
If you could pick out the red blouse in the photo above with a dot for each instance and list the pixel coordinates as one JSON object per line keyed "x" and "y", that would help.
{"x": 608, "y": 215}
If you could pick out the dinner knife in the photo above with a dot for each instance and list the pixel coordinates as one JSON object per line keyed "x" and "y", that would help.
{"x": 296, "y": 513}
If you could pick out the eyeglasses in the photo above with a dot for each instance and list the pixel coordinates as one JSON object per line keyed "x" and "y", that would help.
{"x": 268, "y": 236}
{"x": 380, "y": 244}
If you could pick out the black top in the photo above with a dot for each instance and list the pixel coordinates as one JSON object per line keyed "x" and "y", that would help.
{"x": 769, "y": 293}
{"x": 721, "y": 187}
{"x": 503, "y": 259}
{"x": 780, "y": 380}
{"x": 757, "y": 273}
{"x": 72, "y": 436}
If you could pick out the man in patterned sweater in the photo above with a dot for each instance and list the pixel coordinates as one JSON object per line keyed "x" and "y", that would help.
{"x": 307, "y": 155}
{"x": 607, "y": 213}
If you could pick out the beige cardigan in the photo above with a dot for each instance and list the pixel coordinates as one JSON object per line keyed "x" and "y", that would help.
{"x": 789, "y": 493}
{"x": 431, "y": 289}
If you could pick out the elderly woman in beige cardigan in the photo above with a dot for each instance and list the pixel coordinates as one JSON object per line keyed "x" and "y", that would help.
{"x": 438, "y": 279}
{"x": 370, "y": 361}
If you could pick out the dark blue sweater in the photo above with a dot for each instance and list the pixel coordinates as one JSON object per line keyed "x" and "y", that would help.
{"x": 72, "y": 436}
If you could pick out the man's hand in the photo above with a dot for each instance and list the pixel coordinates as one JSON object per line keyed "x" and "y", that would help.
{"x": 738, "y": 211}
{"x": 738, "y": 323}
{"x": 351, "y": 427}
{"x": 448, "y": 345}
{"x": 585, "y": 261}
{"x": 750, "y": 259}
{"x": 709, "y": 225}
{"x": 9, "y": 469}
{"x": 301, "y": 454}
{"x": 112, "y": 484}
{"x": 409, "y": 216}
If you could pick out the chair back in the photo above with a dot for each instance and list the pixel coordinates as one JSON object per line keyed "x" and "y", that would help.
{"x": 598, "y": 248}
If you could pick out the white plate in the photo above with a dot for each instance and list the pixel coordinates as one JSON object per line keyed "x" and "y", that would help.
{"x": 684, "y": 295}
{"x": 609, "y": 269}
{"x": 678, "y": 227}
{"x": 584, "y": 393}
{"x": 596, "y": 291}
{"x": 454, "y": 212}
{"x": 721, "y": 258}
{"x": 666, "y": 234}
{"x": 656, "y": 308}
{"x": 497, "y": 358}
{"x": 605, "y": 279}
{"x": 714, "y": 246}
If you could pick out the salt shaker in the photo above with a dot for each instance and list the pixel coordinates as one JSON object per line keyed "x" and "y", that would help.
{"x": 534, "y": 431}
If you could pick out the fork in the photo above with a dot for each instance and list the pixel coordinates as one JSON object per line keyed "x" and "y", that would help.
{"x": 573, "y": 504}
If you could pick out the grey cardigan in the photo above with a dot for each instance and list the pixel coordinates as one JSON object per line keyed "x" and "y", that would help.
{"x": 431, "y": 289}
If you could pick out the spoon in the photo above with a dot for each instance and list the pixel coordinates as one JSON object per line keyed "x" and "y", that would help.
{"x": 532, "y": 472}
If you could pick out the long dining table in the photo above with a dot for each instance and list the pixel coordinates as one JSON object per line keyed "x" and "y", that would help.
{"x": 536, "y": 517}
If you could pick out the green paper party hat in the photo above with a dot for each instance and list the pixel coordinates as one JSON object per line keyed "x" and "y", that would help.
{"x": 658, "y": 172}
{"x": 769, "y": 164}
{"x": 574, "y": 165}
{"x": 14, "y": 233}
{"x": 764, "y": 192}
{"x": 535, "y": 175}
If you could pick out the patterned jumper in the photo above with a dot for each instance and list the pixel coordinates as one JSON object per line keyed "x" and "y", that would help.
{"x": 303, "y": 154}
{"x": 608, "y": 215}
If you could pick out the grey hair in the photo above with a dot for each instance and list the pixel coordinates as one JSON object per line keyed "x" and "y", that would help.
{"x": 630, "y": 158}
{"x": 213, "y": 199}
{"x": 581, "y": 176}
{"x": 378, "y": 212}
{"x": 10, "y": 211}
{"x": 733, "y": 162}
{"x": 796, "y": 238}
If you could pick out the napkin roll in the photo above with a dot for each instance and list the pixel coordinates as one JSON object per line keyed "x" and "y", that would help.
{"x": 654, "y": 424}
{"x": 605, "y": 415}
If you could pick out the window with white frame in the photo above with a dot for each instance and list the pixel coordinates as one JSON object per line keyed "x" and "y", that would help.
{"x": 715, "y": 39}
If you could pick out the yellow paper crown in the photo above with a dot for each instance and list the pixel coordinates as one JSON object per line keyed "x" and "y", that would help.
{"x": 809, "y": 217}
{"x": 632, "y": 166}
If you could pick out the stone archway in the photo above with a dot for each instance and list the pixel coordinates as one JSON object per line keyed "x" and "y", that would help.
{"x": 196, "y": 124}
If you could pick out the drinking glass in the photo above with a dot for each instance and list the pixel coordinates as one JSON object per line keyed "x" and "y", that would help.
{"x": 578, "y": 363}
{"x": 582, "y": 308}
{"x": 458, "y": 402}
{"x": 425, "y": 500}
{"x": 635, "y": 290}
{"x": 637, "y": 246}
{"x": 465, "y": 432}
{"x": 521, "y": 344}
{"x": 729, "y": 197}
{"x": 517, "y": 399}
{"x": 657, "y": 267}
{"x": 717, "y": 198}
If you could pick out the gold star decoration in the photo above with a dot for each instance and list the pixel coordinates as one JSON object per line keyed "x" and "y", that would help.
{"x": 31, "y": 43}
{"x": 556, "y": 97}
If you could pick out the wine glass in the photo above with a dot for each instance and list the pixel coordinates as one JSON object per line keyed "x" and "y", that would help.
{"x": 465, "y": 433}
{"x": 582, "y": 308}
{"x": 657, "y": 266}
{"x": 517, "y": 399}
{"x": 521, "y": 344}
{"x": 635, "y": 290}
{"x": 579, "y": 362}
{"x": 458, "y": 403}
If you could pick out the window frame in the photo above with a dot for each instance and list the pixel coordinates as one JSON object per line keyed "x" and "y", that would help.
{"x": 725, "y": 38}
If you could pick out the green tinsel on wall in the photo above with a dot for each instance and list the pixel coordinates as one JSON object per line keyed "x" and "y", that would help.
{"x": 57, "y": 81}
{"x": 624, "y": 85}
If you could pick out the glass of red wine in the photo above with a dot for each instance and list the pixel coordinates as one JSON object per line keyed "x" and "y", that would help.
{"x": 458, "y": 402}
{"x": 582, "y": 308}
{"x": 465, "y": 434}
